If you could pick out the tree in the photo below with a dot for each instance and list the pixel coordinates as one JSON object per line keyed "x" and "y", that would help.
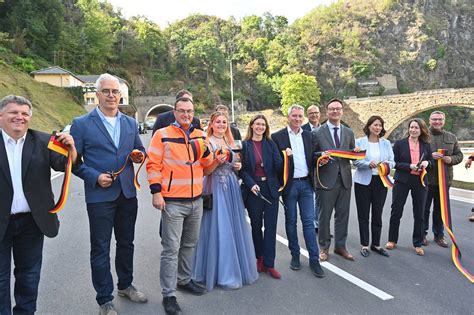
{"x": 298, "y": 88}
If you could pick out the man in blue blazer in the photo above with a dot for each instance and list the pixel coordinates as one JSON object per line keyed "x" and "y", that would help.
{"x": 104, "y": 138}
{"x": 299, "y": 190}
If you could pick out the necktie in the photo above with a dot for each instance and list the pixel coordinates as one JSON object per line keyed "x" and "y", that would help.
{"x": 336, "y": 138}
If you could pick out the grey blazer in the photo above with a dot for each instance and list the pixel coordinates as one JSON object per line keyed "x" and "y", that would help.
{"x": 328, "y": 173}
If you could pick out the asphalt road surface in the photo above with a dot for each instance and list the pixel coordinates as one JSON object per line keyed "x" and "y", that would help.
{"x": 403, "y": 283}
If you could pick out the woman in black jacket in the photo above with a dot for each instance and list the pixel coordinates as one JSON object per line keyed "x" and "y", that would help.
{"x": 261, "y": 162}
{"x": 412, "y": 157}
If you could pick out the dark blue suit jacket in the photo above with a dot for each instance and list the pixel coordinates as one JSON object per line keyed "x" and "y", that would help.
{"x": 272, "y": 163}
{"x": 401, "y": 152}
{"x": 100, "y": 155}
{"x": 282, "y": 140}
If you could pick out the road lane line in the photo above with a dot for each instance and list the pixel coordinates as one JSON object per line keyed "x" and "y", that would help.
{"x": 344, "y": 274}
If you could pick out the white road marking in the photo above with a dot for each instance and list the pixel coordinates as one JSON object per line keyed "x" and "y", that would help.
{"x": 344, "y": 274}
{"x": 341, "y": 273}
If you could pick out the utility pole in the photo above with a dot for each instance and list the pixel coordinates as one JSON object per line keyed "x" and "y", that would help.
{"x": 232, "y": 91}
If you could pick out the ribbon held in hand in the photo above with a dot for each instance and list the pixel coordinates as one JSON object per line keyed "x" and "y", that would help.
{"x": 56, "y": 146}
{"x": 228, "y": 154}
{"x": 132, "y": 155}
{"x": 198, "y": 147}
{"x": 384, "y": 174}
{"x": 285, "y": 170}
{"x": 444, "y": 202}
{"x": 340, "y": 153}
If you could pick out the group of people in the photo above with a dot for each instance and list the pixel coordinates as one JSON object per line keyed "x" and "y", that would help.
{"x": 202, "y": 182}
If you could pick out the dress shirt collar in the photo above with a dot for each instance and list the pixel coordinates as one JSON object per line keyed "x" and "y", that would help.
{"x": 331, "y": 126}
{"x": 300, "y": 131}
{"x": 7, "y": 138}
{"x": 102, "y": 116}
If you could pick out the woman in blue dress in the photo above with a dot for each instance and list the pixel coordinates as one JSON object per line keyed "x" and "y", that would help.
{"x": 224, "y": 255}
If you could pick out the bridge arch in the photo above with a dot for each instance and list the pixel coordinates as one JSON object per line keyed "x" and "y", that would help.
{"x": 395, "y": 109}
{"x": 155, "y": 110}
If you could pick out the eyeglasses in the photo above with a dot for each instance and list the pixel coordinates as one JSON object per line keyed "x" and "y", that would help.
{"x": 107, "y": 92}
{"x": 313, "y": 113}
{"x": 337, "y": 109}
{"x": 183, "y": 111}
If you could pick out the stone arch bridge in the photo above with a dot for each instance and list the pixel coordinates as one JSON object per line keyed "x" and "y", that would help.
{"x": 395, "y": 109}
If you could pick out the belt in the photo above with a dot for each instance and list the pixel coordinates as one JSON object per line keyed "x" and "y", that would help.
{"x": 301, "y": 178}
{"x": 260, "y": 179}
{"x": 19, "y": 215}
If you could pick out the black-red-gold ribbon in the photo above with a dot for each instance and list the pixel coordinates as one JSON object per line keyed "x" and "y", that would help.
{"x": 443, "y": 189}
{"x": 384, "y": 174}
{"x": 285, "y": 170}
{"x": 60, "y": 148}
{"x": 345, "y": 154}
{"x": 135, "y": 178}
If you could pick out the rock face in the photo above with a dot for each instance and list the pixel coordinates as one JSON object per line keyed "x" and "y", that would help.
{"x": 426, "y": 44}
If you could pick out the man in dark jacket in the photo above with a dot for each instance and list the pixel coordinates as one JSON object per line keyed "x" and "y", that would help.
{"x": 440, "y": 139}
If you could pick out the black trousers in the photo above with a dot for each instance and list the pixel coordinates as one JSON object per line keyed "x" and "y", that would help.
{"x": 366, "y": 196}
{"x": 433, "y": 197}
{"x": 400, "y": 194}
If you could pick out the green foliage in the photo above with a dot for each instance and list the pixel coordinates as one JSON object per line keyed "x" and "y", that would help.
{"x": 299, "y": 88}
{"x": 25, "y": 64}
{"x": 440, "y": 52}
{"x": 362, "y": 69}
{"x": 431, "y": 64}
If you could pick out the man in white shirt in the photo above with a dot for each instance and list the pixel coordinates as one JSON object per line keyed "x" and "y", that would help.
{"x": 298, "y": 190}
{"x": 26, "y": 198}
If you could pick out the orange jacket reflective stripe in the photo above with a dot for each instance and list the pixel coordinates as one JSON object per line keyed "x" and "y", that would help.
{"x": 172, "y": 164}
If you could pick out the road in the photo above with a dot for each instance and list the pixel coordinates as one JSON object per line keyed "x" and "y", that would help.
{"x": 402, "y": 283}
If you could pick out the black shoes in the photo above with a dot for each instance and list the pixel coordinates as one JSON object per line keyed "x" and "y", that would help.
{"x": 379, "y": 251}
{"x": 364, "y": 252}
{"x": 171, "y": 306}
{"x": 295, "y": 262}
{"x": 192, "y": 288}
{"x": 316, "y": 268}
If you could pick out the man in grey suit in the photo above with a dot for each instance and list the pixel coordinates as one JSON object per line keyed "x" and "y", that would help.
{"x": 335, "y": 180}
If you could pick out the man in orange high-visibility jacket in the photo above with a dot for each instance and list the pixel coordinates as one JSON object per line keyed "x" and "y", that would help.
{"x": 177, "y": 156}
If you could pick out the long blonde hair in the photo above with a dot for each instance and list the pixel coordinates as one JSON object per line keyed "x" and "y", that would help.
{"x": 228, "y": 138}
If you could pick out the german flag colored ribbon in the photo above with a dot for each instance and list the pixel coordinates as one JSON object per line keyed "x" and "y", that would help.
{"x": 228, "y": 154}
{"x": 198, "y": 147}
{"x": 422, "y": 177}
{"x": 345, "y": 154}
{"x": 131, "y": 155}
{"x": 384, "y": 174}
{"x": 60, "y": 148}
{"x": 285, "y": 170}
{"x": 444, "y": 204}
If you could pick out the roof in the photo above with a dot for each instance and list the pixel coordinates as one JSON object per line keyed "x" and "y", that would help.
{"x": 55, "y": 70}
{"x": 93, "y": 77}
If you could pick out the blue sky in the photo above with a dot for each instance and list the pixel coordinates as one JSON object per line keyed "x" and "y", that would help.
{"x": 164, "y": 12}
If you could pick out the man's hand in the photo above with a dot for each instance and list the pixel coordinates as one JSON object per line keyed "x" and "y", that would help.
{"x": 137, "y": 156}
{"x": 437, "y": 155}
{"x": 288, "y": 151}
{"x": 105, "y": 180}
{"x": 65, "y": 139}
{"x": 468, "y": 163}
{"x": 158, "y": 201}
{"x": 447, "y": 159}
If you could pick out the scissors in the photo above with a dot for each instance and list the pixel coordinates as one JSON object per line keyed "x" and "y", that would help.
{"x": 259, "y": 194}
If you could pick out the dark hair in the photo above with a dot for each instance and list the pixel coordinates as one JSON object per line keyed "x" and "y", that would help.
{"x": 183, "y": 99}
{"x": 371, "y": 120}
{"x": 249, "y": 134}
{"x": 181, "y": 93}
{"x": 336, "y": 100}
{"x": 425, "y": 134}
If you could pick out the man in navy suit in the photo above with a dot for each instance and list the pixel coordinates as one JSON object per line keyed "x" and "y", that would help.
{"x": 298, "y": 190}
{"x": 104, "y": 138}
{"x": 25, "y": 200}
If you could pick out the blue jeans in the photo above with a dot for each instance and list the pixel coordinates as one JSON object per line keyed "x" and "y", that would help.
{"x": 25, "y": 240}
{"x": 120, "y": 216}
{"x": 300, "y": 193}
{"x": 316, "y": 209}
